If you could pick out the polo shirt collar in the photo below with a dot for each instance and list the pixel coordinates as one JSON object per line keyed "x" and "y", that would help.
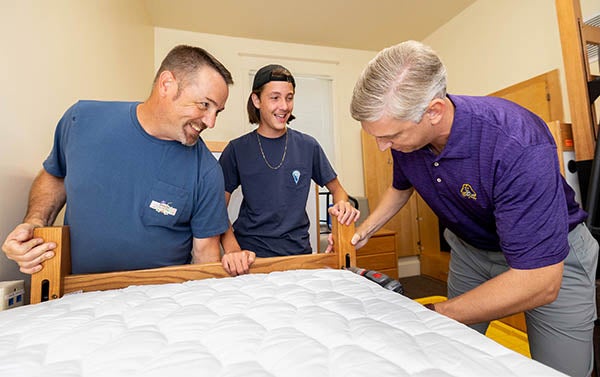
{"x": 459, "y": 141}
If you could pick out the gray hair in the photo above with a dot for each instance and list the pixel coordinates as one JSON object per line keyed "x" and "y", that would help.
{"x": 399, "y": 82}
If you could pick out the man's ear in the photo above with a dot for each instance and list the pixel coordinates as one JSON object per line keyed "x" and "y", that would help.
{"x": 167, "y": 83}
{"x": 255, "y": 100}
{"x": 436, "y": 110}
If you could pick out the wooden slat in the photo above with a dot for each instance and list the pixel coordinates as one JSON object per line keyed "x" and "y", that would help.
{"x": 591, "y": 34}
{"x": 55, "y": 274}
{"x": 178, "y": 274}
{"x": 342, "y": 235}
{"x": 577, "y": 75}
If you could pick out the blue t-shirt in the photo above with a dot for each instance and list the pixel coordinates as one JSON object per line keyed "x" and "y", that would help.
{"x": 497, "y": 183}
{"x": 272, "y": 220}
{"x": 133, "y": 201}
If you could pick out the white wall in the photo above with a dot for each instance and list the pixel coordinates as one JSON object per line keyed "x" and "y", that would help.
{"x": 240, "y": 54}
{"x": 54, "y": 53}
{"x": 495, "y": 44}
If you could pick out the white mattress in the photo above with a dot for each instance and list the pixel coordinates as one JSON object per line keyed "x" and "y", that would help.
{"x": 295, "y": 323}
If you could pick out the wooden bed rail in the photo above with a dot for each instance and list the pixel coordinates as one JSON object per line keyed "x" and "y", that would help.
{"x": 55, "y": 279}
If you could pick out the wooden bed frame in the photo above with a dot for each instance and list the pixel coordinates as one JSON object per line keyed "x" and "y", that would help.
{"x": 55, "y": 278}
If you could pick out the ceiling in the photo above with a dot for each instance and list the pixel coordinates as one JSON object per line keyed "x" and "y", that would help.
{"x": 356, "y": 24}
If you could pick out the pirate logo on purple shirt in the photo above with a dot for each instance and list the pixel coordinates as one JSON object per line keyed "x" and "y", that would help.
{"x": 467, "y": 192}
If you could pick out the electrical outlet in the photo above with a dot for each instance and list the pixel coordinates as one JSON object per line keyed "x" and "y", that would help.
{"x": 12, "y": 294}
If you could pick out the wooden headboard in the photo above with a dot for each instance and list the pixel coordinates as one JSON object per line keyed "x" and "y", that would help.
{"x": 55, "y": 278}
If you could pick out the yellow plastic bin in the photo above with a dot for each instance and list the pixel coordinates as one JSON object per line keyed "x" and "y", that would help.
{"x": 502, "y": 333}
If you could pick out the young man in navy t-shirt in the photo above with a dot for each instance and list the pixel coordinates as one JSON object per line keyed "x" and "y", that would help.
{"x": 274, "y": 166}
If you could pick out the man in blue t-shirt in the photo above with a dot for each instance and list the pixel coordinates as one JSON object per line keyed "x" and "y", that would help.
{"x": 274, "y": 166}
{"x": 141, "y": 188}
{"x": 488, "y": 168}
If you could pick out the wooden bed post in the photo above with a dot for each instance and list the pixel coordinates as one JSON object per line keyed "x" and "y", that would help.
{"x": 575, "y": 35}
{"x": 48, "y": 283}
{"x": 346, "y": 252}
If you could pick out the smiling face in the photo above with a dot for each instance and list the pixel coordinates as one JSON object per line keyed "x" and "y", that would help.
{"x": 195, "y": 104}
{"x": 275, "y": 105}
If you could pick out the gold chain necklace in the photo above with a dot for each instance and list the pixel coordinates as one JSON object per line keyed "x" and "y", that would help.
{"x": 265, "y": 157}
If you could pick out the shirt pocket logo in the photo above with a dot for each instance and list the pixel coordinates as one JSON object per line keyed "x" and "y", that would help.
{"x": 166, "y": 205}
{"x": 296, "y": 175}
{"x": 468, "y": 192}
{"x": 163, "y": 207}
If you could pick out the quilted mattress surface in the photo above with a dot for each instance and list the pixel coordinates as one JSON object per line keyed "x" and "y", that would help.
{"x": 294, "y": 323}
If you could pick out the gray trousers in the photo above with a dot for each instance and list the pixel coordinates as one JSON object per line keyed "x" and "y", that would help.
{"x": 560, "y": 333}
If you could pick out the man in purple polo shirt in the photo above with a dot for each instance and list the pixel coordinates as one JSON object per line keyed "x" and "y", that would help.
{"x": 489, "y": 170}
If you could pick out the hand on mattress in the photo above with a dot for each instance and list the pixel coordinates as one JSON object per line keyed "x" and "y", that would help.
{"x": 238, "y": 262}
{"x": 345, "y": 212}
{"x": 28, "y": 252}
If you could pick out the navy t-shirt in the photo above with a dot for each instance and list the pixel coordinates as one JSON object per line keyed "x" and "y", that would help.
{"x": 272, "y": 220}
{"x": 133, "y": 201}
{"x": 497, "y": 183}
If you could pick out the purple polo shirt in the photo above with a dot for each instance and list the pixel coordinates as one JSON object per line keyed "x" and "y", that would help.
{"x": 497, "y": 183}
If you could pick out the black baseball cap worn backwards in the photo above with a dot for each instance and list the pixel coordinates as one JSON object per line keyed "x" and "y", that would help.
{"x": 266, "y": 75}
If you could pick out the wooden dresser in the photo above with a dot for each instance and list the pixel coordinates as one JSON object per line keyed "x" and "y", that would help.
{"x": 379, "y": 254}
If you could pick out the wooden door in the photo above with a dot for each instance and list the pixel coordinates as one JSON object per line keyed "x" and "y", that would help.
{"x": 378, "y": 172}
{"x": 540, "y": 95}
{"x": 434, "y": 261}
